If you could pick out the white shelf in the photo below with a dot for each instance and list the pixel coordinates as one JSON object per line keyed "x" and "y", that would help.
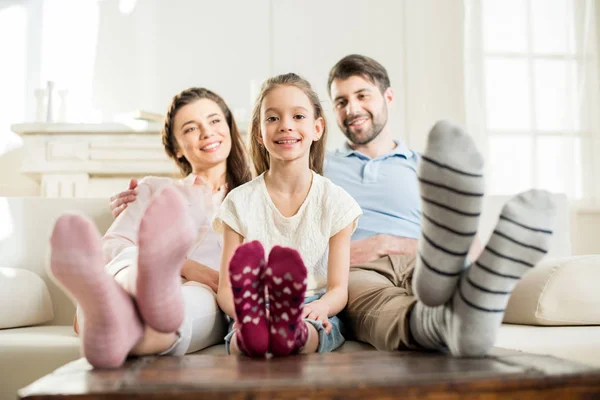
{"x": 135, "y": 126}
{"x": 78, "y": 160}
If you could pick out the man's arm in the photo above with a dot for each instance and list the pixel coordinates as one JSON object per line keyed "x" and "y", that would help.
{"x": 374, "y": 247}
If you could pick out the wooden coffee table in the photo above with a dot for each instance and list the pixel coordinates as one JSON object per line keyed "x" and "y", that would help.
{"x": 356, "y": 375}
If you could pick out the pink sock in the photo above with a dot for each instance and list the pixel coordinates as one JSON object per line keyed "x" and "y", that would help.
{"x": 246, "y": 270}
{"x": 111, "y": 326}
{"x": 285, "y": 278}
{"x": 165, "y": 237}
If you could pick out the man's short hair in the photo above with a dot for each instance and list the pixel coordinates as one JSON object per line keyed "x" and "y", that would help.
{"x": 359, "y": 65}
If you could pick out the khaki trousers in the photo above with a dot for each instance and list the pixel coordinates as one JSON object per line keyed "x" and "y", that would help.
{"x": 380, "y": 299}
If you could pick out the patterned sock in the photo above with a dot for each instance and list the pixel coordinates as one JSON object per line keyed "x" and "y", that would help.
{"x": 165, "y": 237}
{"x": 467, "y": 325}
{"x": 246, "y": 270}
{"x": 110, "y": 327}
{"x": 286, "y": 278}
{"x": 451, "y": 186}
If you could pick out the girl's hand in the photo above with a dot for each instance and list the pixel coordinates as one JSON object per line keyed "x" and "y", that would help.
{"x": 193, "y": 271}
{"x": 318, "y": 311}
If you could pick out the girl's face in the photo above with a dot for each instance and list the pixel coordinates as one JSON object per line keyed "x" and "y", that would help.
{"x": 288, "y": 125}
{"x": 202, "y": 134}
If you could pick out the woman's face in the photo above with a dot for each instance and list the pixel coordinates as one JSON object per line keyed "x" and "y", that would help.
{"x": 202, "y": 134}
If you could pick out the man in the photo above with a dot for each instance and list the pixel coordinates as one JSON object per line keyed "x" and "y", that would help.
{"x": 456, "y": 308}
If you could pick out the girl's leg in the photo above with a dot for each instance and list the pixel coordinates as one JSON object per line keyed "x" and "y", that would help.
{"x": 312, "y": 341}
{"x": 285, "y": 278}
{"x": 246, "y": 270}
{"x": 111, "y": 327}
{"x": 234, "y": 348}
{"x": 321, "y": 341}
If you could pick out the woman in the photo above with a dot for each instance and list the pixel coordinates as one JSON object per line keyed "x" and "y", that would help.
{"x": 141, "y": 306}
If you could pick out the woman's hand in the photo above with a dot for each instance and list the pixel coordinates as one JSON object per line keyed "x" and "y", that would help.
{"x": 193, "y": 271}
{"x": 119, "y": 201}
{"x": 318, "y": 310}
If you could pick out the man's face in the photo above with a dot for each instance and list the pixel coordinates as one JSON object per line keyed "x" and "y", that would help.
{"x": 361, "y": 109}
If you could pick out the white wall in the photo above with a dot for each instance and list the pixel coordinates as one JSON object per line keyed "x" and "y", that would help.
{"x": 20, "y": 59}
{"x": 141, "y": 59}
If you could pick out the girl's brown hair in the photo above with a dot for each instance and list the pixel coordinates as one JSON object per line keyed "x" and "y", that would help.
{"x": 258, "y": 153}
{"x": 238, "y": 170}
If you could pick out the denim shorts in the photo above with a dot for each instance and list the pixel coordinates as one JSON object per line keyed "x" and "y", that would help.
{"x": 327, "y": 342}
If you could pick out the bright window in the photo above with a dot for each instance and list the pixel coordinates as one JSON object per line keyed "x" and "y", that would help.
{"x": 537, "y": 66}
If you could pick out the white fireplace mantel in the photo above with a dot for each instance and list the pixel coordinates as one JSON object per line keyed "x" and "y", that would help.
{"x": 92, "y": 159}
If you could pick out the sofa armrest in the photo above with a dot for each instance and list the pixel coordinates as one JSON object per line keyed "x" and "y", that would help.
{"x": 24, "y": 297}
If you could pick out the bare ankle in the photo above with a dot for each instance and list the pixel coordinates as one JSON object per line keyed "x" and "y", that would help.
{"x": 312, "y": 341}
{"x": 234, "y": 349}
{"x": 154, "y": 342}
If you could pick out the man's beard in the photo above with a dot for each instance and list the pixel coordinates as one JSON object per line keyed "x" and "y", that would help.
{"x": 366, "y": 135}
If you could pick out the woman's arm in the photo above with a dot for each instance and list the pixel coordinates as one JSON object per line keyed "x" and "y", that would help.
{"x": 194, "y": 271}
{"x": 338, "y": 269}
{"x": 231, "y": 241}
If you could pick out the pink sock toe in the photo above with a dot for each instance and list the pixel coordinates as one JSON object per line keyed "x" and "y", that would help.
{"x": 165, "y": 237}
{"x": 111, "y": 325}
{"x": 285, "y": 277}
{"x": 246, "y": 270}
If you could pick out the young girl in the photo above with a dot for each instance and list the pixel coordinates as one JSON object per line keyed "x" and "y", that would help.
{"x": 296, "y": 216}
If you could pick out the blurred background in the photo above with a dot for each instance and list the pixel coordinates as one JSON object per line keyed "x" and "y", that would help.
{"x": 520, "y": 75}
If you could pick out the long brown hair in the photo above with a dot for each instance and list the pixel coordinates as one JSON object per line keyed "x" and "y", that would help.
{"x": 238, "y": 170}
{"x": 258, "y": 153}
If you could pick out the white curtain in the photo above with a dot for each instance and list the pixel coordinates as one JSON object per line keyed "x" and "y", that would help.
{"x": 531, "y": 94}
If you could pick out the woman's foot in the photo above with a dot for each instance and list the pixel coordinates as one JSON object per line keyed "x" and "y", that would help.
{"x": 111, "y": 326}
{"x": 165, "y": 237}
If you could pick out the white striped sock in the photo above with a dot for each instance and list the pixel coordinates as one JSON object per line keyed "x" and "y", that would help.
{"x": 451, "y": 186}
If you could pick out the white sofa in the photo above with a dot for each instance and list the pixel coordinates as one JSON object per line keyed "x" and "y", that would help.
{"x": 27, "y": 353}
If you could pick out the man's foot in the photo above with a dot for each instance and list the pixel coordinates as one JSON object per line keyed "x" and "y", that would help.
{"x": 165, "y": 237}
{"x": 286, "y": 278}
{"x": 246, "y": 270}
{"x": 111, "y": 326}
{"x": 451, "y": 186}
{"x": 467, "y": 325}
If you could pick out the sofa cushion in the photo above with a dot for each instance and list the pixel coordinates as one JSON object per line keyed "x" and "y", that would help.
{"x": 24, "y": 297}
{"x": 576, "y": 343}
{"x": 561, "y": 291}
{"x": 27, "y": 354}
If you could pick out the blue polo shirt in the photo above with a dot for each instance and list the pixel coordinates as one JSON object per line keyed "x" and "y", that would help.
{"x": 386, "y": 188}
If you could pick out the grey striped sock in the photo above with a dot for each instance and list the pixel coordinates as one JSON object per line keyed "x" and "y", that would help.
{"x": 451, "y": 186}
{"x": 467, "y": 325}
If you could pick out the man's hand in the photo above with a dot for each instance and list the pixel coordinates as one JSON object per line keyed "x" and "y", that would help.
{"x": 119, "y": 201}
{"x": 374, "y": 247}
{"x": 318, "y": 311}
{"x": 193, "y": 271}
